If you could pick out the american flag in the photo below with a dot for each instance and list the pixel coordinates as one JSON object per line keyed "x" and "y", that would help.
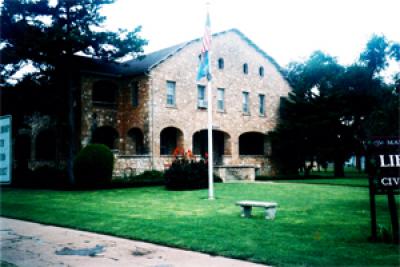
{"x": 207, "y": 36}
{"x": 204, "y": 67}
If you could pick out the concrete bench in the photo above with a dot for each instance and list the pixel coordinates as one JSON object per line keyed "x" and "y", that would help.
{"x": 247, "y": 205}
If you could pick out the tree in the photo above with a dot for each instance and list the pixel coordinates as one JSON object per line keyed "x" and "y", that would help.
{"x": 313, "y": 114}
{"x": 47, "y": 36}
{"x": 333, "y": 109}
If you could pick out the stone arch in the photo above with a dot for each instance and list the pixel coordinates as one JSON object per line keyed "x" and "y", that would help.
{"x": 221, "y": 144}
{"x": 170, "y": 138}
{"x": 106, "y": 135}
{"x": 104, "y": 92}
{"x": 45, "y": 145}
{"x": 252, "y": 143}
{"x": 135, "y": 142}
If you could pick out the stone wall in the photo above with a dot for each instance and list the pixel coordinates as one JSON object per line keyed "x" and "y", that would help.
{"x": 153, "y": 115}
{"x": 122, "y": 116}
{"x": 187, "y": 117}
{"x": 126, "y": 166}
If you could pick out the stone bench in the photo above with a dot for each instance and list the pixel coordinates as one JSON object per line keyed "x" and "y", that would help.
{"x": 247, "y": 205}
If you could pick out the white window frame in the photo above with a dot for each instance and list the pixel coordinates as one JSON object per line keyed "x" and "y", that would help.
{"x": 221, "y": 99}
{"x": 201, "y": 97}
{"x": 261, "y": 103}
{"x": 246, "y": 102}
{"x": 171, "y": 94}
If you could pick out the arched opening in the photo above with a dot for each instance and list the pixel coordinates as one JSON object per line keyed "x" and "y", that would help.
{"x": 104, "y": 92}
{"x": 106, "y": 135}
{"x": 134, "y": 142}
{"x": 252, "y": 143}
{"x": 221, "y": 144}
{"x": 46, "y": 145}
{"x": 170, "y": 138}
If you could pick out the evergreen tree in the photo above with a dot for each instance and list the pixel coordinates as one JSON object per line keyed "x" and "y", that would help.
{"x": 47, "y": 35}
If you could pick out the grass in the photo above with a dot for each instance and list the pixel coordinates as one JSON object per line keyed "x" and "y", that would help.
{"x": 316, "y": 225}
{"x": 353, "y": 178}
{"x": 359, "y": 182}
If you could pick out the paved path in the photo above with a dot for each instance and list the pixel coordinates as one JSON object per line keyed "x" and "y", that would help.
{"x": 32, "y": 244}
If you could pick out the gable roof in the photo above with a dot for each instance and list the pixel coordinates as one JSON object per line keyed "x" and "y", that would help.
{"x": 140, "y": 66}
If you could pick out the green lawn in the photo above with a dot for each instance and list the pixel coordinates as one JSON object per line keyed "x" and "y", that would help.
{"x": 316, "y": 225}
{"x": 360, "y": 182}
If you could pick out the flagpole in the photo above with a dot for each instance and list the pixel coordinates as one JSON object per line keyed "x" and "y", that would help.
{"x": 210, "y": 143}
{"x": 210, "y": 120}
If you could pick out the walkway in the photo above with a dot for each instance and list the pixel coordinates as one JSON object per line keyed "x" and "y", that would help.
{"x": 32, "y": 244}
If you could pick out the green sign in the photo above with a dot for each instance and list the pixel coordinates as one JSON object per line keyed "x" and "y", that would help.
{"x": 5, "y": 149}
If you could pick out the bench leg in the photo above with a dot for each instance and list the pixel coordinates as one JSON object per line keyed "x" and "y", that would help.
{"x": 270, "y": 213}
{"x": 246, "y": 211}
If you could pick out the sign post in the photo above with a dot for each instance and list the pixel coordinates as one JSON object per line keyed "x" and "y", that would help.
{"x": 5, "y": 149}
{"x": 384, "y": 179}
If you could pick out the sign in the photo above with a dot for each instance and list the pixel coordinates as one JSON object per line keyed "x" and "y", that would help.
{"x": 385, "y": 164}
{"x": 383, "y": 155}
{"x": 5, "y": 149}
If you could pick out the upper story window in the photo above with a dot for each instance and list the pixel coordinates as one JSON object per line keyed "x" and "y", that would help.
{"x": 104, "y": 92}
{"x": 261, "y": 71}
{"x": 201, "y": 96}
{"x": 135, "y": 94}
{"x": 221, "y": 63}
{"x": 221, "y": 99}
{"x": 171, "y": 94}
{"x": 245, "y": 101}
{"x": 261, "y": 102}
{"x": 245, "y": 68}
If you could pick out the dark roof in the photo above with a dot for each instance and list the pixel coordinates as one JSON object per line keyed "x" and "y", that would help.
{"x": 140, "y": 66}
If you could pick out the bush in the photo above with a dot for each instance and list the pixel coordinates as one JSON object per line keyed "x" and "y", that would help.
{"x": 147, "y": 178}
{"x": 187, "y": 174}
{"x": 93, "y": 166}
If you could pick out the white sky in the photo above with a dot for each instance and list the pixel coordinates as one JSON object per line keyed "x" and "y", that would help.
{"x": 286, "y": 29}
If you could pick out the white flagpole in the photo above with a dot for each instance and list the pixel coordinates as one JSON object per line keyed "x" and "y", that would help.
{"x": 210, "y": 142}
{"x": 209, "y": 124}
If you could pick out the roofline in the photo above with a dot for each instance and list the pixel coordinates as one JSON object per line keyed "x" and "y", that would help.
{"x": 244, "y": 37}
{"x": 102, "y": 73}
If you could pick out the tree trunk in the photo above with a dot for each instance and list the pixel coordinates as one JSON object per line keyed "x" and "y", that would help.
{"x": 358, "y": 162}
{"x": 339, "y": 168}
{"x": 71, "y": 129}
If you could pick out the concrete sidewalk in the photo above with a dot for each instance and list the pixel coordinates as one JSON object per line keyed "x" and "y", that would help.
{"x": 32, "y": 244}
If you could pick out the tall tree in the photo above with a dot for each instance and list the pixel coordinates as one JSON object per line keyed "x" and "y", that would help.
{"x": 47, "y": 35}
{"x": 333, "y": 108}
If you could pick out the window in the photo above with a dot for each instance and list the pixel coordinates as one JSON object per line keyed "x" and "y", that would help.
{"x": 220, "y": 99}
{"x": 135, "y": 94}
{"x": 261, "y": 100}
{"x": 261, "y": 71}
{"x": 170, "y": 93}
{"x": 221, "y": 63}
{"x": 245, "y": 68}
{"x": 201, "y": 96}
{"x": 246, "y": 109}
{"x": 104, "y": 92}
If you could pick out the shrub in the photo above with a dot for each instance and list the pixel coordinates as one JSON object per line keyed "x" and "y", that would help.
{"x": 93, "y": 166}
{"x": 147, "y": 178}
{"x": 187, "y": 174}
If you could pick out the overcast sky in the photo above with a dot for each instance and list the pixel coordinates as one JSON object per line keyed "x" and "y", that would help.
{"x": 286, "y": 29}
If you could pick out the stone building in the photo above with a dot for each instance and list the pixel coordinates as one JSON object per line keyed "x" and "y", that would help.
{"x": 145, "y": 108}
